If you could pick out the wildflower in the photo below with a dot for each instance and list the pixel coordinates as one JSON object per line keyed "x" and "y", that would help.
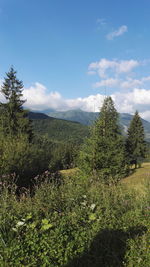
{"x": 20, "y": 223}
{"x": 92, "y": 207}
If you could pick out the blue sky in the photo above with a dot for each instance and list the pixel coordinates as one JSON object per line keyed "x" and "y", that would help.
{"x": 68, "y": 53}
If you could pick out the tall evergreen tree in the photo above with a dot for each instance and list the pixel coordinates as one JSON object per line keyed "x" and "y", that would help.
{"x": 13, "y": 117}
{"x": 104, "y": 151}
{"x": 135, "y": 143}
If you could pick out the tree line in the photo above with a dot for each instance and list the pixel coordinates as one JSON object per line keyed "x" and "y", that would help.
{"x": 105, "y": 154}
{"x": 21, "y": 150}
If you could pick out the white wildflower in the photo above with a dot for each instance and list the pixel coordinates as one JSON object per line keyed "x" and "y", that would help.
{"x": 92, "y": 207}
{"x": 20, "y": 223}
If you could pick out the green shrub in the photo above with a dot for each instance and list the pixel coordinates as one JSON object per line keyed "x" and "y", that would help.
{"x": 24, "y": 159}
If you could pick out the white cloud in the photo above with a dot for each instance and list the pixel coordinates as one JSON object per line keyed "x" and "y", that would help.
{"x": 112, "y": 73}
{"x": 107, "y": 83}
{"x": 117, "y": 67}
{"x": 2, "y": 98}
{"x": 38, "y": 98}
{"x": 131, "y": 83}
{"x": 145, "y": 115}
{"x": 119, "y": 32}
{"x": 137, "y": 99}
{"x": 128, "y": 83}
{"x": 117, "y": 73}
{"x": 141, "y": 97}
{"x": 90, "y": 103}
{"x": 125, "y": 66}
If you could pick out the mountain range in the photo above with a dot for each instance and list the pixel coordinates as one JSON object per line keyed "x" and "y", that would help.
{"x": 87, "y": 118}
{"x": 73, "y": 124}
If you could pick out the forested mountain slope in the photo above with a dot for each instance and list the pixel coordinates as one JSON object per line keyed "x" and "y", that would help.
{"x": 72, "y": 125}
{"x": 57, "y": 129}
{"x": 87, "y": 118}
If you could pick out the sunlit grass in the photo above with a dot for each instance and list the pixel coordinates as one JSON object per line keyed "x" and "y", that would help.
{"x": 69, "y": 172}
{"x": 138, "y": 179}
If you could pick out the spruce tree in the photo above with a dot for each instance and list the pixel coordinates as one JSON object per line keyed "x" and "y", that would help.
{"x": 13, "y": 119}
{"x": 135, "y": 143}
{"x": 104, "y": 152}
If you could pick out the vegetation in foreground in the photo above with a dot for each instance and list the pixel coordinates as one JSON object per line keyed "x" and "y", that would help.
{"x": 80, "y": 222}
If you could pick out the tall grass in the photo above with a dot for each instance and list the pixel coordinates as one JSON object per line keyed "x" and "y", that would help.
{"x": 80, "y": 222}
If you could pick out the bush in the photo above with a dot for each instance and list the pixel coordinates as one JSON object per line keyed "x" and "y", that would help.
{"x": 24, "y": 159}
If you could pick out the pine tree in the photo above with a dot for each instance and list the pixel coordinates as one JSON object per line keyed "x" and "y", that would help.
{"x": 13, "y": 119}
{"x": 104, "y": 151}
{"x": 135, "y": 143}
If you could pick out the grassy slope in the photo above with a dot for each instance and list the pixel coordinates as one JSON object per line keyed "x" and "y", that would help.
{"x": 139, "y": 178}
{"x": 135, "y": 181}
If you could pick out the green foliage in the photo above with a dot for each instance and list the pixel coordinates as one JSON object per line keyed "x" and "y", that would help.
{"x": 61, "y": 130}
{"x": 19, "y": 152}
{"x": 60, "y": 155}
{"x": 63, "y": 156}
{"x": 135, "y": 143}
{"x": 79, "y": 223}
{"x": 104, "y": 151}
{"x": 20, "y": 157}
{"x": 28, "y": 160}
{"x": 13, "y": 119}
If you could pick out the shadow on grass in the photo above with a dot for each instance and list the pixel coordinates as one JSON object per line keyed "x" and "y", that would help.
{"x": 107, "y": 249}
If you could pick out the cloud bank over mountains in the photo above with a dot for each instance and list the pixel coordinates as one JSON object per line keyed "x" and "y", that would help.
{"x": 130, "y": 93}
{"x": 38, "y": 98}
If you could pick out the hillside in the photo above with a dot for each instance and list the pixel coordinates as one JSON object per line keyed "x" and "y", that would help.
{"x": 37, "y": 115}
{"x": 87, "y": 118}
{"x": 72, "y": 125}
{"x": 57, "y": 129}
{"x": 78, "y": 115}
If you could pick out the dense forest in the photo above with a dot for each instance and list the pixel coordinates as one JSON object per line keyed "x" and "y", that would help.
{"x": 84, "y": 218}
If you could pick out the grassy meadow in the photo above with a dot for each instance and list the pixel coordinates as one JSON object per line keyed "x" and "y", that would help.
{"x": 139, "y": 178}
{"x": 77, "y": 222}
